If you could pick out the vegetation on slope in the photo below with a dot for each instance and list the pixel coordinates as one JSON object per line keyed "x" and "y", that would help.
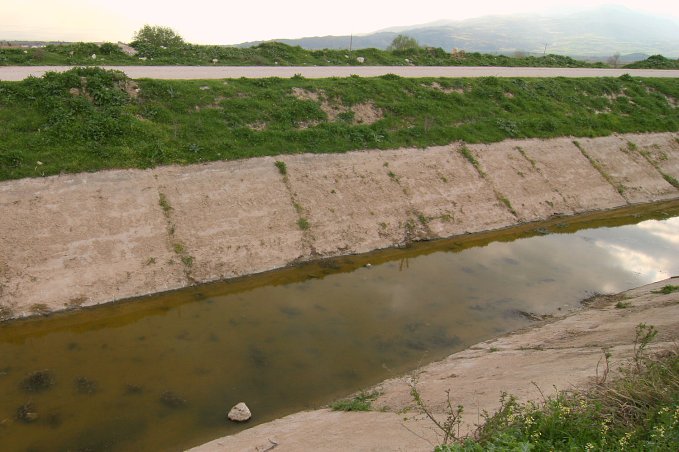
{"x": 655, "y": 62}
{"x": 90, "y": 119}
{"x": 162, "y": 46}
{"x": 267, "y": 54}
{"x": 638, "y": 411}
{"x": 641, "y": 412}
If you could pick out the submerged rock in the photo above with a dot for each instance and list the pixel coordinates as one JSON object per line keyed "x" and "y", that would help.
{"x": 240, "y": 413}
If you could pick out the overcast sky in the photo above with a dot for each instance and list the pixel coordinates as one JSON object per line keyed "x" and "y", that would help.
{"x": 230, "y": 22}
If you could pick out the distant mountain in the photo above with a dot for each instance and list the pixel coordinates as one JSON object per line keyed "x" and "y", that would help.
{"x": 597, "y": 32}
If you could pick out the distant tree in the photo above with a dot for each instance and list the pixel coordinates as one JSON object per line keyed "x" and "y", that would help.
{"x": 614, "y": 60}
{"x": 152, "y": 39}
{"x": 403, "y": 42}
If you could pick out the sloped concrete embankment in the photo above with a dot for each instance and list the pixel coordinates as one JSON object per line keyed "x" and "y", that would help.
{"x": 528, "y": 364}
{"x": 84, "y": 239}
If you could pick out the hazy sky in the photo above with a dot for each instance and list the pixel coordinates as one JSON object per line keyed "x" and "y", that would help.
{"x": 230, "y": 22}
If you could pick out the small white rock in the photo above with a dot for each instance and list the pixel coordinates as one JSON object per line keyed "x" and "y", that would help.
{"x": 94, "y": 56}
{"x": 240, "y": 413}
{"x": 360, "y": 60}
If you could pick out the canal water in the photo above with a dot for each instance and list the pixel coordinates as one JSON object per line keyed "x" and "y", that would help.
{"x": 161, "y": 372}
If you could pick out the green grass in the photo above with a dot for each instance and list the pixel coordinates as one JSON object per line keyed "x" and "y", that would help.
{"x": 303, "y": 224}
{"x": 282, "y": 168}
{"x": 87, "y": 119}
{"x": 639, "y": 411}
{"x": 361, "y": 402}
{"x": 668, "y": 289}
{"x": 655, "y": 62}
{"x": 267, "y": 54}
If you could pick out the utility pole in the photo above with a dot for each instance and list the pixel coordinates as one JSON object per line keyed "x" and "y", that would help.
{"x": 545, "y": 51}
{"x": 351, "y": 42}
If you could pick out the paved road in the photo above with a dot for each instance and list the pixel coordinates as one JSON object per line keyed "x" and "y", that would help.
{"x": 220, "y": 72}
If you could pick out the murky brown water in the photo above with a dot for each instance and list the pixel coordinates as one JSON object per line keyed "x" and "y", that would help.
{"x": 160, "y": 373}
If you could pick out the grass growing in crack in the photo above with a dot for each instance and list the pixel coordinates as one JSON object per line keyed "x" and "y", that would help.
{"x": 282, "y": 167}
{"x": 303, "y": 224}
{"x": 623, "y": 304}
{"x": 597, "y": 166}
{"x": 503, "y": 199}
{"x": 671, "y": 180}
{"x": 187, "y": 261}
{"x": 467, "y": 154}
{"x": 164, "y": 204}
{"x": 361, "y": 402}
{"x": 86, "y": 119}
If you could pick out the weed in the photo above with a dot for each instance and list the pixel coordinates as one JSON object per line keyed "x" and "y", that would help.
{"x": 597, "y": 166}
{"x": 150, "y": 261}
{"x": 179, "y": 248}
{"x": 623, "y": 304}
{"x": 503, "y": 199}
{"x": 361, "y": 402}
{"x": 631, "y": 146}
{"x": 671, "y": 180}
{"x": 164, "y": 204}
{"x": 644, "y": 335}
{"x": 467, "y": 154}
{"x": 38, "y": 381}
{"x": 187, "y": 261}
{"x": 303, "y": 224}
{"x": 635, "y": 412}
{"x": 493, "y": 349}
{"x": 422, "y": 219}
{"x": 282, "y": 168}
{"x": 530, "y": 160}
{"x": 450, "y": 427}
{"x": 668, "y": 289}
{"x": 392, "y": 176}
{"x": 606, "y": 367}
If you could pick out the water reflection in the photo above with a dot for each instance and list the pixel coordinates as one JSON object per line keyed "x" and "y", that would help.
{"x": 160, "y": 375}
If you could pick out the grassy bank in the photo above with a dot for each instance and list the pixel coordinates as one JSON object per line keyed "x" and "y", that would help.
{"x": 267, "y": 54}
{"x": 637, "y": 411}
{"x": 89, "y": 119}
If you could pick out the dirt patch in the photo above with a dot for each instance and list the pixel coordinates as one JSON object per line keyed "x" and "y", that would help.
{"x": 257, "y": 126}
{"x": 438, "y": 87}
{"x": 366, "y": 113}
{"x": 363, "y": 113}
{"x": 557, "y": 355}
